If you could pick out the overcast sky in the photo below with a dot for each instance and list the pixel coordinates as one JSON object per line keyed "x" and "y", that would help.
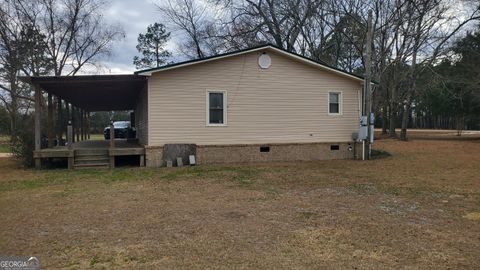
{"x": 134, "y": 16}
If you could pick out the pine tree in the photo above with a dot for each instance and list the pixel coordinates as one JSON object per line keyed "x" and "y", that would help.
{"x": 151, "y": 46}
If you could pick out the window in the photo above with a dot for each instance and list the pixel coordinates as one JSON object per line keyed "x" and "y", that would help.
{"x": 334, "y": 103}
{"x": 121, "y": 124}
{"x": 216, "y": 108}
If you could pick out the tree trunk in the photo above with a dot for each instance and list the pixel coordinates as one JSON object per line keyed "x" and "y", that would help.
{"x": 392, "y": 114}
{"x": 460, "y": 124}
{"x": 13, "y": 120}
{"x": 384, "y": 118}
{"x": 405, "y": 116}
{"x": 13, "y": 114}
{"x": 392, "y": 119}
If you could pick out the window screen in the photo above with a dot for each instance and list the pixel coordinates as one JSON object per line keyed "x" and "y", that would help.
{"x": 334, "y": 103}
{"x": 215, "y": 107}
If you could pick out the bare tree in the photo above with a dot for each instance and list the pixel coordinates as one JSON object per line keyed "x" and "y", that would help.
{"x": 190, "y": 18}
{"x": 20, "y": 50}
{"x": 76, "y": 34}
{"x": 433, "y": 30}
{"x": 409, "y": 36}
{"x": 279, "y": 22}
{"x": 58, "y": 37}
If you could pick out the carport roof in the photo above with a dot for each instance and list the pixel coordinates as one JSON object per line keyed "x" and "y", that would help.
{"x": 93, "y": 92}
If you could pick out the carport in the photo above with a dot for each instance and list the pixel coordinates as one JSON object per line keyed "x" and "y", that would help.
{"x": 69, "y": 100}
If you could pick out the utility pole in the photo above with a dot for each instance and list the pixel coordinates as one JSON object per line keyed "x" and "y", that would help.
{"x": 368, "y": 87}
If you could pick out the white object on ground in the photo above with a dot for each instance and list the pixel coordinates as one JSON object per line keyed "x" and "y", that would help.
{"x": 179, "y": 162}
{"x": 191, "y": 160}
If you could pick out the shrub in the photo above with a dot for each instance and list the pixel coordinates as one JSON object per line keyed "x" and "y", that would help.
{"x": 23, "y": 141}
{"x": 377, "y": 154}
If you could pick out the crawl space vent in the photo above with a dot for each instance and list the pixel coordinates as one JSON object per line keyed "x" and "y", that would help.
{"x": 264, "y": 149}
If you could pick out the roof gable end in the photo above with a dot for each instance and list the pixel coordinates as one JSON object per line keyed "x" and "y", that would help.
{"x": 300, "y": 58}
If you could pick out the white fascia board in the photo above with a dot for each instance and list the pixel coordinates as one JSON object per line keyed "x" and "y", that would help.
{"x": 149, "y": 73}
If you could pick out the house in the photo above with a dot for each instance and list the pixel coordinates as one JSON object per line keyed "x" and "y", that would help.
{"x": 259, "y": 104}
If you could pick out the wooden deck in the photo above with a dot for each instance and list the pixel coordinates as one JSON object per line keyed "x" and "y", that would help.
{"x": 83, "y": 148}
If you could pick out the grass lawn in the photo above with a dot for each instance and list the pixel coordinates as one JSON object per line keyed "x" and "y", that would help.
{"x": 97, "y": 137}
{"x": 5, "y": 148}
{"x": 435, "y": 134}
{"x": 5, "y": 144}
{"x": 418, "y": 209}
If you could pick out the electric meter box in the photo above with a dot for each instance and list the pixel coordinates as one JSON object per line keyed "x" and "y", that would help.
{"x": 363, "y": 130}
{"x": 363, "y": 133}
{"x": 363, "y": 121}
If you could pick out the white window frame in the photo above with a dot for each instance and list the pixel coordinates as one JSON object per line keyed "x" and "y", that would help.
{"x": 340, "y": 102}
{"x": 207, "y": 107}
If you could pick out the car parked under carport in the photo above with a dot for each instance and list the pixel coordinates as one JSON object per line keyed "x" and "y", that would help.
{"x": 123, "y": 130}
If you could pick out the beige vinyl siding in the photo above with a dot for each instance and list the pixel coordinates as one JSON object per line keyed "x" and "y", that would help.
{"x": 141, "y": 117}
{"x": 286, "y": 103}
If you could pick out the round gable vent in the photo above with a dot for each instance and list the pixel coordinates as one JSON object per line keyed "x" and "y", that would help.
{"x": 264, "y": 61}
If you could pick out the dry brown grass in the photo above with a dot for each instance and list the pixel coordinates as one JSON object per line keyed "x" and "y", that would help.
{"x": 411, "y": 210}
{"x": 435, "y": 134}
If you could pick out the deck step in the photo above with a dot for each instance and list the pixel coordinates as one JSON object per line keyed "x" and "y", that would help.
{"x": 91, "y": 166}
{"x": 91, "y": 155}
{"x": 91, "y": 159}
{"x": 85, "y": 152}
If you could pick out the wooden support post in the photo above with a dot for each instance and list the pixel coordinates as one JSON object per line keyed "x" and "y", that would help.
{"x": 112, "y": 135}
{"x": 88, "y": 125}
{"x": 67, "y": 119}
{"x": 60, "y": 124}
{"x": 112, "y": 145}
{"x": 72, "y": 112}
{"x": 69, "y": 134}
{"x": 82, "y": 124}
{"x": 50, "y": 117}
{"x": 70, "y": 163}
{"x": 85, "y": 125}
{"x": 76, "y": 123}
{"x": 367, "y": 94}
{"x": 70, "y": 143}
{"x": 38, "y": 132}
{"x": 142, "y": 160}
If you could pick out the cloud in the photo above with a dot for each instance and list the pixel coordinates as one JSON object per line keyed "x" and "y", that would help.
{"x": 133, "y": 17}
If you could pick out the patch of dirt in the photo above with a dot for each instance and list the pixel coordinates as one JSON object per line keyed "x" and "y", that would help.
{"x": 13, "y": 170}
{"x": 473, "y": 216}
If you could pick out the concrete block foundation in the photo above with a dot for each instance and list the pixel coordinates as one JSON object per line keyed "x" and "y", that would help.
{"x": 211, "y": 154}
{"x": 154, "y": 156}
{"x": 273, "y": 152}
